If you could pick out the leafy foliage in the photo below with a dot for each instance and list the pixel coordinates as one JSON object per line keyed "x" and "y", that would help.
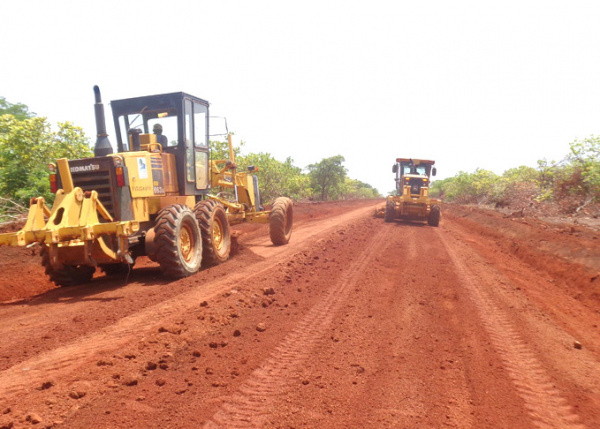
{"x": 19, "y": 110}
{"x": 10, "y": 210}
{"x": 327, "y": 177}
{"x": 571, "y": 183}
{"x": 277, "y": 178}
{"x": 26, "y": 147}
{"x": 585, "y": 166}
{"x": 469, "y": 188}
{"x": 220, "y": 149}
{"x": 355, "y": 189}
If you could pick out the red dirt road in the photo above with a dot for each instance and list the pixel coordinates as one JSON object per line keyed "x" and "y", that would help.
{"x": 484, "y": 322}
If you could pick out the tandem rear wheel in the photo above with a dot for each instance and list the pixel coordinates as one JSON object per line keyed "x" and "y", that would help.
{"x": 216, "y": 232}
{"x": 178, "y": 241}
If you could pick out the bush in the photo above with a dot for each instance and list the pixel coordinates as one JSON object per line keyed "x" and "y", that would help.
{"x": 27, "y": 146}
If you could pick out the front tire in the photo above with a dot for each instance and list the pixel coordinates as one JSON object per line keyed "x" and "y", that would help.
{"x": 178, "y": 242}
{"x": 216, "y": 232}
{"x": 281, "y": 221}
{"x": 390, "y": 212}
{"x": 434, "y": 216}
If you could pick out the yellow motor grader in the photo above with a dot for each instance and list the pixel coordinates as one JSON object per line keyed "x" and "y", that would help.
{"x": 152, "y": 197}
{"x": 412, "y": 200}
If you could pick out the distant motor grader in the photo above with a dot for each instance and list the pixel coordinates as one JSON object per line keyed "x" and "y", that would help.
{"x": 152, "y": 197}
{"x": 412, "y": 200}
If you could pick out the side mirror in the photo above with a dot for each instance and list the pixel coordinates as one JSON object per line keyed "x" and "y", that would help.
{"x": 394, "y": 168}
{"x": 433, "y": 171}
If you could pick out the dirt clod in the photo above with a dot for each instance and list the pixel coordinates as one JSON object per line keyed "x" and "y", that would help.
{"x": 46, "y": 385}
{"x": 130, "y": 380}
{"x": 34, "y": 418}
{"x": 261, "y": 327}
{"x": 75, "y": 394}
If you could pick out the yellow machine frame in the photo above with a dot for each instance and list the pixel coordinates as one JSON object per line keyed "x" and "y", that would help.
{"x": 78, "y": 232}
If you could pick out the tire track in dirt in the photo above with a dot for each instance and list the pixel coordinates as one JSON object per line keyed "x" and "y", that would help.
{"x": 545, "y": 404}
{"x": 250, "y": 407}
{"x": 262, "y": 246}
{"x": 60, "y": 362}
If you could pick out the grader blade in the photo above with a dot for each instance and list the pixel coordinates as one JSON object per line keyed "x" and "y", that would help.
{"x": 73, "y": 229}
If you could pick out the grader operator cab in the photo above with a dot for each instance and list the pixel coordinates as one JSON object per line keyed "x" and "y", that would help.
{"x": 412, "y": 200}
{"x": 152, "y": 197}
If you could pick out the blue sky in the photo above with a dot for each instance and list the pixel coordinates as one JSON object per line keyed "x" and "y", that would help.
{"x": 471, "y": 84}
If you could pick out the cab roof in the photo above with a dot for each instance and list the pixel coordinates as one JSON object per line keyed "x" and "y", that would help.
{"x": 416, "y": 161}
{"x": 172, "y": 100}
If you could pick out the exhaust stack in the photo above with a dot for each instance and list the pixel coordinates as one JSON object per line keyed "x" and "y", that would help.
{"x": 103, "y": 146}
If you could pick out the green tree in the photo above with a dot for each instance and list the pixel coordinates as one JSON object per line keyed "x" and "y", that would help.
{"x": 439, "y": 188}
{"x": 220, "y": 149}
{"x": 325, "y": 180}
{"x": 355, "y": 190}
{"x": 19, "y": 110}
{"x": 482, "y": 186}
{"x": 546, "y": 179}
{"x": 585, "y": 161}
{"x": 327, "y": 176}
{"x": 277, "y": 178}
{"x": 573, "y": 182}
{"x": 26, "y": 148}
{"x": 521, "y": 174}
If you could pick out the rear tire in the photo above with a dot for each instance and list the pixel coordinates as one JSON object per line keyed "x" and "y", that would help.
{"x": 216, "y": 232}
{"x": 178, "y": 242}
{"x": 68, "y": 275}
{"x": 390, "y": 212}
{"x": 434, "y": 216}
{"x": 281, "y": 221}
